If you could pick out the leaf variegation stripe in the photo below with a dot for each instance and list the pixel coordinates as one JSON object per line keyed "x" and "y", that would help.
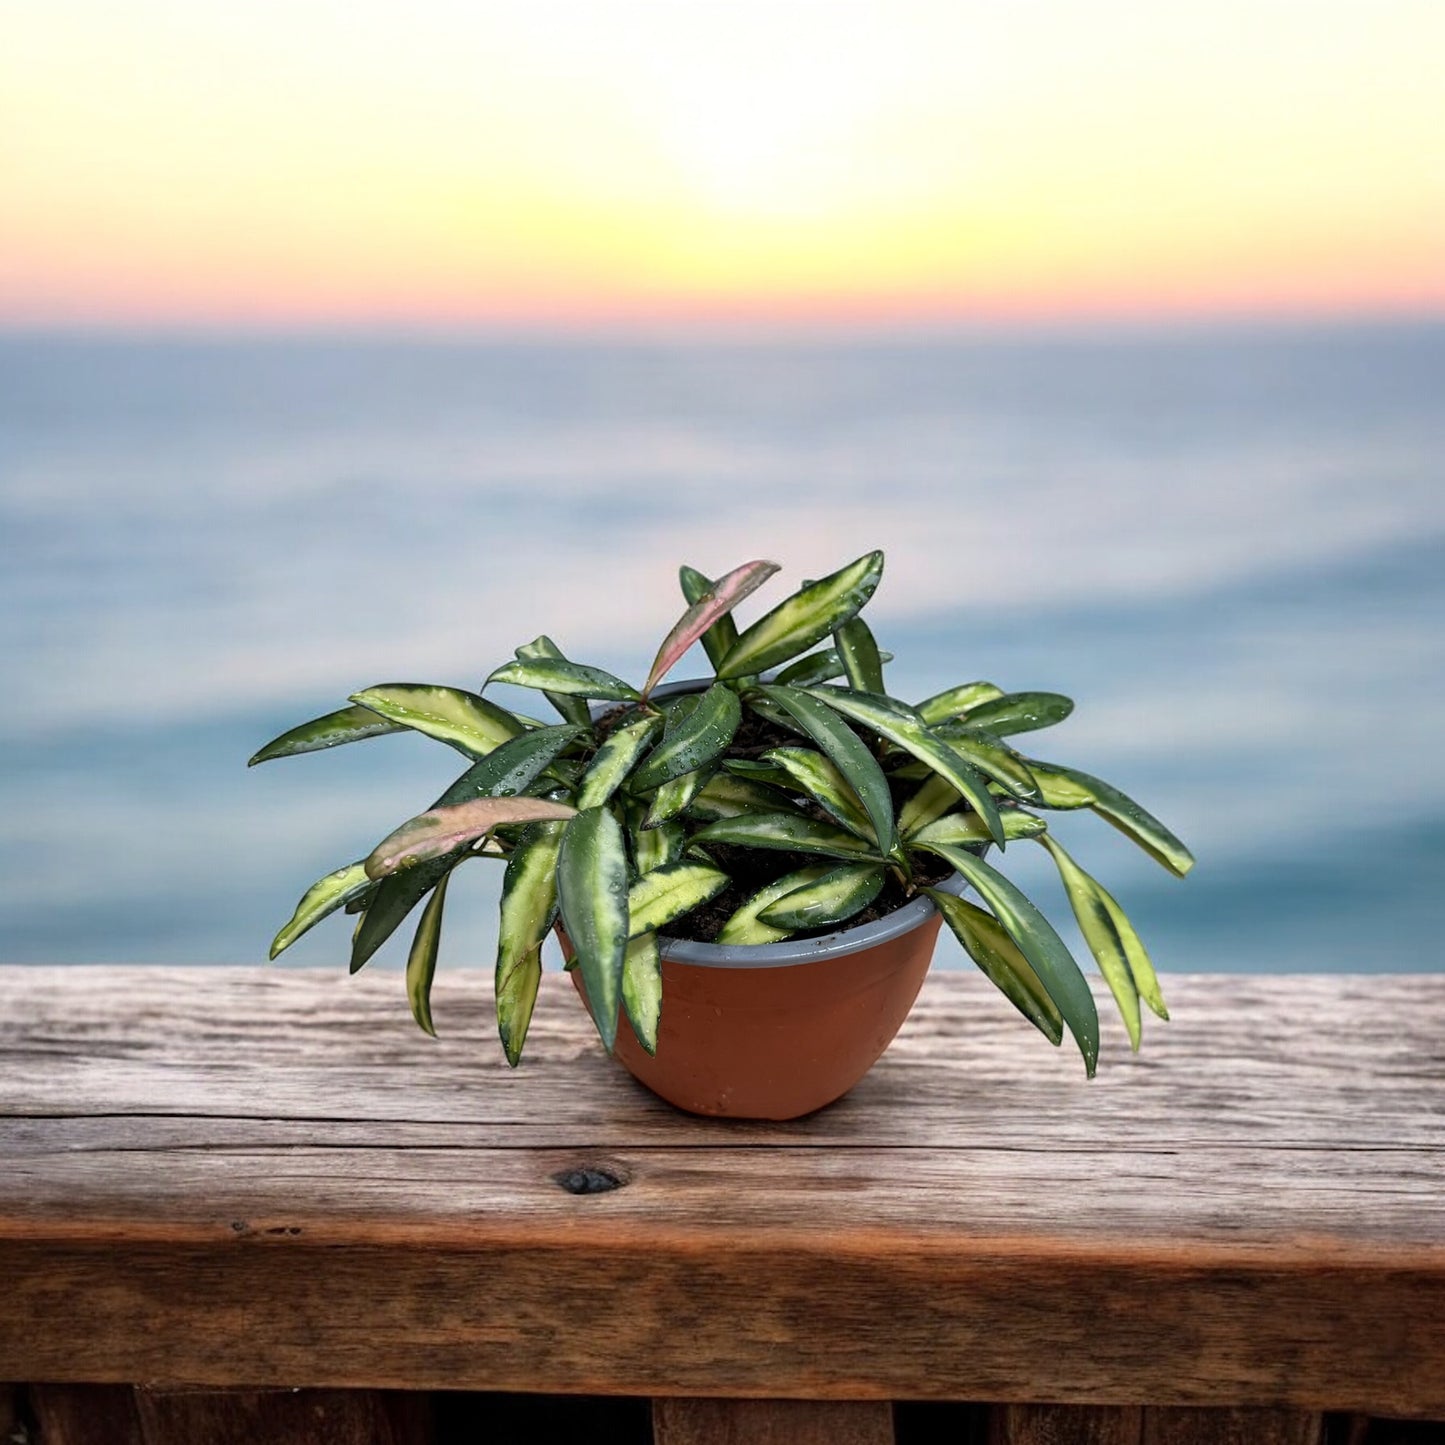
{"x": 955, "y": 701}
{"x": 693, "y": 742}
{"x": 664, "y": 894}
{"x": 928, "y": 803}
{"x": 395, "y": 897}
{"x": 421, "y": 962}
{"x": 346, "y": 725}
{"x": 836, "y": 896}
{"x": 819, "y": 777}
{"x": 642, "y": 988}
{"x": 858, "y": 651}
{"x": 993, "y": 758}
{"x": 652, "y": 847}
{"x": 965, "y": 829}
{"x": 997, "y": 955}
{"x": 616, "y": 758}
{"x": 572, "y": 679}
{"x": 1116, "y": 808}
{"x": 788, "y": 831}
{"x": 848, "y": 754}
{"x": 1038, "y": 943}
{"x": 323, "y": 898}
{"x": 1097, "y": 926}
{"x": 806, "y": 617}
{"x": 1020, "y": 712}
{"x": 529, "y": 900}
{"x": 675, "y": 795}
{"x": 745, "y": 926}
{"x": 465, "y": 720}
{"x": 724, "y": 632}
{"x": 592, "y": 892}
{"x": 441, "y": 830}
{"x": 725, "y": 796}
{"x": 898, "y": 723}
{"x": 572, "y": 709}
{"x": 512, "y": 768}
{"x": 704, "y": 610}
{"x": 1140, "y": 966}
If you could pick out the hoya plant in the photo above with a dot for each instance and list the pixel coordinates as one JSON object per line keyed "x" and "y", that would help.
{"x": 789, "y": 793}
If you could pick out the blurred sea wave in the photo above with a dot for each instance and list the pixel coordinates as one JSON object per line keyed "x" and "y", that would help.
{"x": 1227, "y": 545}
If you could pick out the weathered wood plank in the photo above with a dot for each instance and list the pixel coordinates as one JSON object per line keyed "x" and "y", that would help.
{"x": 1253, "y": 1215}
{"x": 1163, "y": 1426}
{"x": 85, "y": 1415}
{"x": 280, "y": 1417}
{"x": 771, "y": 1422}
{"x": 1065, "y": 1425}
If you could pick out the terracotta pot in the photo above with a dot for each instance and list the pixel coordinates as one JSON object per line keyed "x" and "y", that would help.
{"x": 772, "y": 1031}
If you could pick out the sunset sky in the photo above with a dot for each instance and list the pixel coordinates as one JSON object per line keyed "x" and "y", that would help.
{"x": 552, "y": 162}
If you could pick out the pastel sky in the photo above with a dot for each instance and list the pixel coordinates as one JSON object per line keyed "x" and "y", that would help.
{"x": 556, "y": 161}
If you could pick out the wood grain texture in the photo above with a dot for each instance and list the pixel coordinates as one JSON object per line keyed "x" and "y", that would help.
{"x": 1066, "y": 1425}
{"x": 1232, "y": 1427}
{"x": 772, "y": 1422}
{"x": 281, "y": 1417}
{"x": 261, "y": 1177}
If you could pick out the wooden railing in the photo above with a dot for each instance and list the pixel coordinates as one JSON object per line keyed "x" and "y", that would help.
{"x": 260, "y": 1205}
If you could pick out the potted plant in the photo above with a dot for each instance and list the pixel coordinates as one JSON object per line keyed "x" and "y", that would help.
{"x": 749, "y": 869}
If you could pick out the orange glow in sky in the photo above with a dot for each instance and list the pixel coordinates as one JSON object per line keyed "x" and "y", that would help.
{"x": 553, "y": 161}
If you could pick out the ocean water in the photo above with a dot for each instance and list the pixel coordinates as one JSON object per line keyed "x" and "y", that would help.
{"x": 1227, "y": 546}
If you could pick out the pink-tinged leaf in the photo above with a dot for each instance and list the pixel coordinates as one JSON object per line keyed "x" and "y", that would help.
{"x": 433, "y": 833}
{"x": 726, "y": 593}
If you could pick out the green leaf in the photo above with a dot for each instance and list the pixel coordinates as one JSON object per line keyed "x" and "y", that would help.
{"x": 529, "y": 898}
{"x": 1038, "y": 943}
{"x": 1097, "y": 926}
{"x": 694, "y": 742}
{"x": 772, "y": 713}
{"x": 968, "y": 829}
{"x": 1020, "y": 712}
{"x": 675, "y": 795}
{"x": 322, "y": 899}
{"x": 814, "y": 668}
{"x": 443, "y": 830}
{"x": 993, "y": 758}
{"x": 348, "y": 725}
{"x": 468, "y": 722}
{"x": 724, "y": 796}
{"x": 1116, "y": 808}
{"x": 847, "y": 752}
{"x": 666, "y": 893}
{"x": 862, "y": 662}
{"x": 592, "y": 891}
{"x": 898, "y": 723}
{"x": 724, "y": 632}
{"x": 788, "y": 831}
{"x": 989, "y": 946}
{"x": 956, "y": 701}
{"x": 745, "y": 926}
{"x": 616, "y": 758}
{"x": 1140, "y": 966}
{"x": 572, "y": 709}
{"x": 421, "y": 962}
{"x": 821, "y": 780}
{"x": 571, "y": 679}
{"x": 642, "y": 988}
{"x": 837, "y": 895}
{"x": 512, "y": 768}
{"x": 714, "y": 602}
{"x": 652, "y": 847}
{"x": 928, "y": 803}
{"x": 396, "y": 895}
{"x": 806, "y": 617}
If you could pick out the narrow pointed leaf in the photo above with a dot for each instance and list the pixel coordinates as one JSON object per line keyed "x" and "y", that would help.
{"x": 347, "y": 725}
{"x": 529, "y": 900}
{"x": 1038, "y": 943}
{"x": 572, "y": 709}
{"x": 718, "y": 601}
{"x": 774, "y": 714}
{"x": 725, "y": 796}
{"x": 997, "y": 955}
{"x": 465, "y": 720}
{"x": 615, "y": 759}
{"x": 1020, "y": 712}
{"x": 901, "y": 725}
{"x": 862, "y": 662}
{"x": 440, "y": 830}
{"x": 676, "y": 795}
{"x": 968, "y": 829}
{"x": 512, "y": 768}
{"x": 818, "y": 667}
{"x": 956, "y": 701}
{"x": 395, "y": 897}
{"x": 666, "y": 893}
{"x": 788, "y": 831}
{"x": 571, "y": 679}
{"x": 836, "y": 896}
{"x": 745, "y": 926}
{"x": 652, "y": 847}
{"x": 754, "y": 770}
{"x": 694, "y": 742}
{"x": 421, "y": 962}
{"x": 1097, "y": 926}
{"x": 820, "y": 778}
{"x": 592, "y": 892}
{"x": 929, "y": 803}
{"x": 848, "y": 754}
{"x": 1118, "y": 809}
{"x": 806, "y": 617}
{"x": 1058, "y": 790}
{"x": 993, "y": 758}
{"x": 724, "y": 632}
{"x": 1140, "y": 966}
{"x": 323, "y": 898}
{"x": 642, "y": 988}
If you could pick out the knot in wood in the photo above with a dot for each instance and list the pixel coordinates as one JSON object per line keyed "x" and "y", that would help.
{"x": 589, "y": 1181}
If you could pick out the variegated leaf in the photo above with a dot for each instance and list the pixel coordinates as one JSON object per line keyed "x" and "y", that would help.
{"x": 592, "y": 892}
{"x": 572, "y": 709}
{"x": 323, "y": 898}
{"x": 694, "y": 742}
{"x": 717, "y": 602}
{"x": 955, "y": 701}
{"x": 968, "y": 829}
{"x": 833, "y": 898}
{"x": 466, "y": 721}
{"x": 571, "y": 679}
{"x": 725, "y": 796}
{"x": 993, "y": 758}
{"x": 421, "y": 963}
{"x": 642, "y": 988}
{"x": 745, "y": 926}
{"x": 862, "y": 662}
{"x": 1020, "y": 712}
{"x": 666, "y": 893}
{"x": 615, "y": 759}
{"x": 529, "y": 904}
{"x": 788, "y": 831}
{"x": 430, "y": 835}
{"x": 346, "y": 725}
{"x": 820, "y": 778}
